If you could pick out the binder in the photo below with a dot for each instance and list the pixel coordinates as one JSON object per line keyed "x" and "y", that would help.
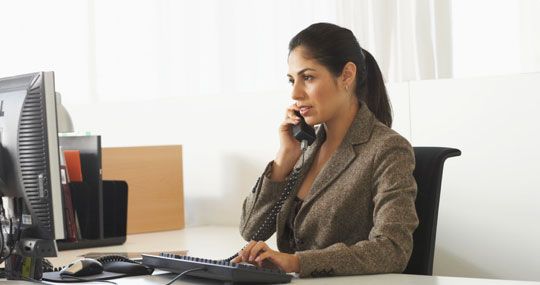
{"x": 69, "y": 214}
{"x": 73, "y": 165}
{"x": 86, "y": 189}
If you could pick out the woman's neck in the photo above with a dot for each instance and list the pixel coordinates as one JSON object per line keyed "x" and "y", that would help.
{"x": 337, "y": 127}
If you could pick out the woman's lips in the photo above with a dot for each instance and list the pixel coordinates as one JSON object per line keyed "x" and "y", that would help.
{"x": 304, "y": 111}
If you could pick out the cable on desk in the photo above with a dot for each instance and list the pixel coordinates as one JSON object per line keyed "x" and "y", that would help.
{"x": 33, "y": 280}
{"x": 183, "y": 273}
{"x": 86, "y": 280}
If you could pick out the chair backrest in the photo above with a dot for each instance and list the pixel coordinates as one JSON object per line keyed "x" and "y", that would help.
{"x": 428, "y": 175}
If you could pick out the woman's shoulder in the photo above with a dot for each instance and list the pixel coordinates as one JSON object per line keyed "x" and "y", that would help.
{"x": 385, "y": 138}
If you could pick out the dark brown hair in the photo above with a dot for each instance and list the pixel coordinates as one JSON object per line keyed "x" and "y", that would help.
{"x": 334, "y": 46}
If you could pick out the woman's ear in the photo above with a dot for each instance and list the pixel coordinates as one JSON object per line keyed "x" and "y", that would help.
{"x": 348, "y": 75}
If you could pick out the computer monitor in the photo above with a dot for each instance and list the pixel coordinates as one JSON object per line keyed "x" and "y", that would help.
{"x": 30, "y": 186}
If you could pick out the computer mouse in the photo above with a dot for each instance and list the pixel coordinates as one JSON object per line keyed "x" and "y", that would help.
{"x": 128, "y": 268}
{"x": 83, "y": 267}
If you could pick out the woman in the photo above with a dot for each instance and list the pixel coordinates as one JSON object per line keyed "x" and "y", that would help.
{"x": 352, "y": 209}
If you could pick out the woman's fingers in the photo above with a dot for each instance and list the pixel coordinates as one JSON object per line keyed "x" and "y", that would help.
{"x": 292, "y": 121}
{"x": 291, "y": 112}
{"x": 273, "y": 260}
{"x": 256, "y": 249}
{"x": 237, "y": 259}
{"x": 250, "y": 251}
{"x": 247, "y": 250}
{"x": 262, "y": 257}
{"x": 290, "y": 117}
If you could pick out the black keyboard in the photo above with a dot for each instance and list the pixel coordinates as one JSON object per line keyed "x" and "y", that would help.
{"x": 215, "y": 269}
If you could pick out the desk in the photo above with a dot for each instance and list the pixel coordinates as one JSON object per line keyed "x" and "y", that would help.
{"x": 219, "y": 242}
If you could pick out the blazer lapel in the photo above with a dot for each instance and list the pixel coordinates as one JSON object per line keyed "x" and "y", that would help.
{"x": 359, "y": 132}
{"x": 337, "y": 163}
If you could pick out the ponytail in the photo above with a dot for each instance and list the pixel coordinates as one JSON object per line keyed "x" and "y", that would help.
{"x": 370, "y": 89}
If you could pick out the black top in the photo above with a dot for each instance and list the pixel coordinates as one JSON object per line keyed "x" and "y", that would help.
{"x": 289, "y": 225}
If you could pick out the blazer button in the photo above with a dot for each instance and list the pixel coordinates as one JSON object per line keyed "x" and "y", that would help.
{"x": 299, "y": 241}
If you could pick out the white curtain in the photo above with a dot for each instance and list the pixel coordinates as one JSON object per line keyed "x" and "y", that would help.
{"x": 411, "y": 39}
{"x": 166, "y": 48}
{"x": 530, "y": 29}
{"x": 147, "y": 49}
{"x": 120, "y": 50}
{"x": 174, "y": 48}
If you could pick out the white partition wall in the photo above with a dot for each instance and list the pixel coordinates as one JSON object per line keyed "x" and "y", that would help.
{"x": 490, "y": 202}
{"x": 227, "y": 142}
{"x": 399, "y": 101}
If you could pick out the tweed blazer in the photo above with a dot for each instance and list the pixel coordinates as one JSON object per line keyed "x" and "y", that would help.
{"x": 359, "y": 216}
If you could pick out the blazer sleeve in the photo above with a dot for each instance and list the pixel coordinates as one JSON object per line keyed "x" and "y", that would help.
{"x": 389, "y": 245}
{"x": 258, "y": 204}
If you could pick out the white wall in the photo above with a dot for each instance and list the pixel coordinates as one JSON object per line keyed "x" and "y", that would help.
{"x": 489, "y": 210}
{"x": 226, "y": 143}
{"x": 488, "y": 215}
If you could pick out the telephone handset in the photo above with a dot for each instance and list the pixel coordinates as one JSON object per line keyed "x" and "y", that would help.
{"x": 306, "y": 135}
{"x": 303, "y": 131}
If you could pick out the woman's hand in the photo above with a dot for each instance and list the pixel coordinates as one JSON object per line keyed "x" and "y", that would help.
{"x": 260, "y": 254}
{"x": 289, "y": 150}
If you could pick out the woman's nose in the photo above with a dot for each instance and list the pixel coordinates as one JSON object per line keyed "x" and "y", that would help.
{"x": 297, "y": 93}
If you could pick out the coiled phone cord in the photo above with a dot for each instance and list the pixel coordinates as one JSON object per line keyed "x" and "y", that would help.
{"x": 268, "y": 226}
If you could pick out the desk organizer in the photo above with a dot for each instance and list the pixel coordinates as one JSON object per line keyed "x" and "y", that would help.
{"x": 101, "y": 214}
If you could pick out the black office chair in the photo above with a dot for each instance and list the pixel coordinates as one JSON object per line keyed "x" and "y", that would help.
{"x": 428, "y": 175}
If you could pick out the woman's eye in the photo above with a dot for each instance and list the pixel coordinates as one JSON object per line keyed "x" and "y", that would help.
{"x": 308, "y": 77}
{"x": 291, "y": 81}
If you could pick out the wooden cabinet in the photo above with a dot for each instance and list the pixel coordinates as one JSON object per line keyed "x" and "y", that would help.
{"x": 155, "y": 181}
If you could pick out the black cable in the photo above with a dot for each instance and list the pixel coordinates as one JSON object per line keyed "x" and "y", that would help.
{"x": 11, "y": 233}
{"x": 11, "y": 246}
{"x": 2, "y": 243}
{"x": 271, "y": 218}
{"x": 183, "y": 273}
{"x": 85, "y": 280}
{"x": 19, "y": 228}
{"x": 33, "y": 280}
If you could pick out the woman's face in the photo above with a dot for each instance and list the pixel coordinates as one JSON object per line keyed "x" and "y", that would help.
{"x": 317, "y": 92}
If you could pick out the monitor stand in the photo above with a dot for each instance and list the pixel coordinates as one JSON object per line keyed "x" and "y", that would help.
{"x": 26, "y": 261}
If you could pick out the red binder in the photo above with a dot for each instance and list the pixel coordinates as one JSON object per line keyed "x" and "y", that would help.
{"x": 69, "y": 214}
{"x": 73, "y": 164}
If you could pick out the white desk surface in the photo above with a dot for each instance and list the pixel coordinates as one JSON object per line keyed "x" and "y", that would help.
{"x": 219, "y": 242}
